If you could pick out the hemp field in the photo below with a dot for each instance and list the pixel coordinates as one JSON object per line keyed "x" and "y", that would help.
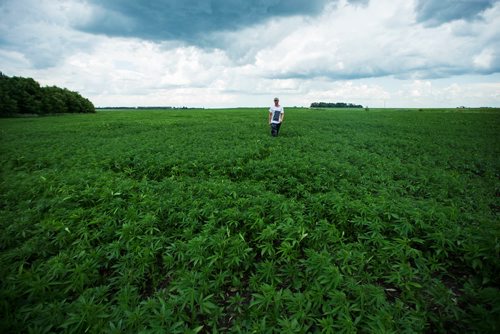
{"x": 154, "y": 221}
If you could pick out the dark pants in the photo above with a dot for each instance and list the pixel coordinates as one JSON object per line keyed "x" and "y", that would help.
{"x": 275, "y": 129}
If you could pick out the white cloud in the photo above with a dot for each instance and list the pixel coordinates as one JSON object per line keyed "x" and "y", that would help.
{"x": 484, "y": 60}
{"x": 380, "y": 39}
{"x": 444, "y": 93}
{"x": 141, "y": 71}
{"x": 41, "y": 30}
{"x": 366, "y": 94}
{"x": 375, "y": 54}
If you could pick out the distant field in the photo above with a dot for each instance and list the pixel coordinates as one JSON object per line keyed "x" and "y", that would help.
{"x": 125, "y": 221}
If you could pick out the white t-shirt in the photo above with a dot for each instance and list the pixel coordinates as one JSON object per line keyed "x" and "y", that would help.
{"x": 275, "y": 113}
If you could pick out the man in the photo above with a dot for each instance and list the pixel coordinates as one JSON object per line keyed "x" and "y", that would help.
{"x": 276, "y": 115}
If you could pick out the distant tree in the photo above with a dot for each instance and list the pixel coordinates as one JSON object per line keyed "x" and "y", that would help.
{"x": 28, "y": 95}
{"x": 25, "y": 96}
{"x": 88, "y": 107}
{"x": 53, "y": 101}
{"x": 334, "y": 105}
{"x": 7, "y": 104}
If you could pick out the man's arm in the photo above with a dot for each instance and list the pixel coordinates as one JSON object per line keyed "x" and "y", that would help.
{"x": 282, "y": 116}
{"x": 269, "y": 118}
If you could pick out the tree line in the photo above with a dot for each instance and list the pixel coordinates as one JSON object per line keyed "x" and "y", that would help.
{"x": 334, "y": 105}
{"x": 25, "y": 96}
{"x": 147, "y": 108}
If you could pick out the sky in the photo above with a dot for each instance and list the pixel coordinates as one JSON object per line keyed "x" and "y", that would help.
{"x": 243, "y": 53}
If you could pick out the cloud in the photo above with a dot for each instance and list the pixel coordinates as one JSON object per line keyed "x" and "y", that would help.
{"x": 421, "y": 93}
{"x": 437, "y": 12}
{"x": 382, "y": 39}
{"x": 120, "y": 71}
{"x": 46, "y": 31}
{"x": 237, "y": 53}
{"x": 39, "y": 30}
{"x": 348, "y": 91}
{"x": 188, "y": 20}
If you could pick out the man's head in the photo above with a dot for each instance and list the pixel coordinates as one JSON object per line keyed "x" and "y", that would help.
{"x": 276, "y": 101}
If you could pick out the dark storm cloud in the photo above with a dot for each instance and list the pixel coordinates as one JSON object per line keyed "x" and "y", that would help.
{"x": 188, "y": 20}
{"x": 436, "y": 12}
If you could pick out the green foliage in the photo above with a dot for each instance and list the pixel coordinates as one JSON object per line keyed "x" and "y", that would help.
{"x": 335, "y": 105}
{"x": 25, "y": 96}
{"x": 199, "y": 221}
